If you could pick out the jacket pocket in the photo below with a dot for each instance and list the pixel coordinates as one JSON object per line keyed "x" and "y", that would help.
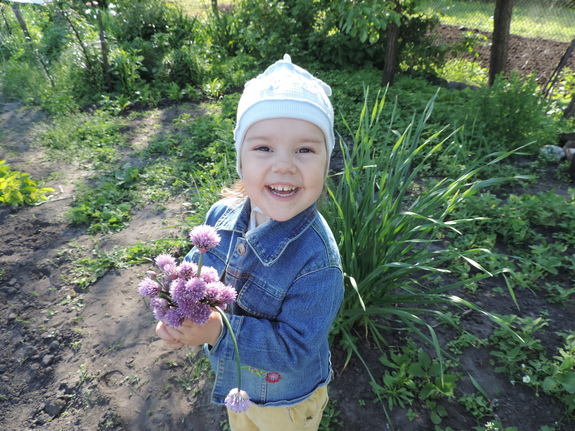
{"x": 260, "y": 299}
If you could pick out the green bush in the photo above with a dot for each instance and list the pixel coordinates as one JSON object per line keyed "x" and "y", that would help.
{"x": 18, "y": 188}
{"x": 145, "y": 18}
{"x": 183, "y": 66}
{"x": 267, "y": 30}
{"x": 510, "y": 113}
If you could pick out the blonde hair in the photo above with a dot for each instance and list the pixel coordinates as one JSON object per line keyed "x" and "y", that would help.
{"x": 237, "y": 190}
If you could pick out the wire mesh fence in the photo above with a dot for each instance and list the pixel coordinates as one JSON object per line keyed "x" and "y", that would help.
{"x": 541, "y": 32}
{"x": 545, "y": 19}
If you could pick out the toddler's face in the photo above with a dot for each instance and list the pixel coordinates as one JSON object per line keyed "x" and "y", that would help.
{"x": 283, "y": 163}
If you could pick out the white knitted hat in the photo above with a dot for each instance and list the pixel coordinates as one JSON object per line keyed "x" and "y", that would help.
{"x": 285, "y": 90}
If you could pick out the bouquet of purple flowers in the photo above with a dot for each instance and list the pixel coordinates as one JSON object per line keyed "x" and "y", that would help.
{"x": 190, "y": 291}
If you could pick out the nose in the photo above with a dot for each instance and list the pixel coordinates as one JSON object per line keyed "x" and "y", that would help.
{"x": 284, "y": 163}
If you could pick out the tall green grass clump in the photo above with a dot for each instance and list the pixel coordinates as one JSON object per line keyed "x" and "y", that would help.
{"x": 389, "y": 222}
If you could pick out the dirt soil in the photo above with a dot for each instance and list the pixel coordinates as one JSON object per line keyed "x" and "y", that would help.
{"x": 525, "y": 55}
{"x": 89, "y": 359}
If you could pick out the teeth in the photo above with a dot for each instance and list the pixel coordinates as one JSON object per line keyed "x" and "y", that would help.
{"x": 282, "y": 190}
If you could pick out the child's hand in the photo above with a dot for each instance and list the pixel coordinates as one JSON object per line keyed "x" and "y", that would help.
{"x": 164, "y": 332}
{"x": 190, "y": 333}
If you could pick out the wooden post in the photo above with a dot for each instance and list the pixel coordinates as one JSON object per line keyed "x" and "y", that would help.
{"x": 500, "y": 40}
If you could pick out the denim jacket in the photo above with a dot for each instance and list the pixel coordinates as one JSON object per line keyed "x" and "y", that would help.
{"x": 289, "y": 285}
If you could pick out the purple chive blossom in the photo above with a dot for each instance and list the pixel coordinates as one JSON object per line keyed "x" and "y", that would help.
{"x": 160, "y": 307}
{"x": 165, "y": 259}
{"x": 187, "y": 270}
{"x": 200, "y": 313}
{"x": 196, "y": 289}
{"x": 177, "y": 289}
{"x": 209, "y": 274}
{"x": 174, "y": 318}
{"x": 171, "y": 271}
{"x": 190, "y": 291}
{"x": 204, "y": 237}
{"x": 149, "y": 288}
{"x": 227, "y": 295}
{"x": 219, "y": 295}
{"x": 238, "y": 401}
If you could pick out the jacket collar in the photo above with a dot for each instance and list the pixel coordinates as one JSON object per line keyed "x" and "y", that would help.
{"x": 271, "y": 240}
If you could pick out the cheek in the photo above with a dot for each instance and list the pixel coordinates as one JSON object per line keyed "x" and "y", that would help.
{"x": 250, "y": 179}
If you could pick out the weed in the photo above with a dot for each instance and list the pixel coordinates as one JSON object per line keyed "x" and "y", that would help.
{"x": 412, "y": 374}
{"x": 479, "y": 407}
{"x": 106, "y": 206}
{"x": 526, "y": 361}
{"x": 196, "y": 367}
{"x": 114, "y": 348}
{"x": 330, "y": 417}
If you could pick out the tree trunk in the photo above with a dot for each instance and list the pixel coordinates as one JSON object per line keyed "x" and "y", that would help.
{"x": 390, "y": 54}
{"x": 570, "y": 110}
{"x": 20, "y": 18}
{"x": 500, "y": 41}
{"x": 215, "y": 6}
{"x": 5, "y": 20}
{"x": 104, "y": 47}
{"x": 557, "y": 72}
{"x": 391, "y": 51}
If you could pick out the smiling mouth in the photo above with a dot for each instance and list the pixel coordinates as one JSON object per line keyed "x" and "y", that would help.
{"x": 283, "y": 191}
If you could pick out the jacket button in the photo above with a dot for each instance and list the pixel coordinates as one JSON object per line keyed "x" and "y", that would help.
{"x": 241, "y": 249}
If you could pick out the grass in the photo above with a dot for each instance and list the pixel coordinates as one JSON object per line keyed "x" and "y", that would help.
{"x": 530, "y": 19}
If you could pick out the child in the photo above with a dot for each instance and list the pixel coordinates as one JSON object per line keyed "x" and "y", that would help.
{"x": 279, "y": 254}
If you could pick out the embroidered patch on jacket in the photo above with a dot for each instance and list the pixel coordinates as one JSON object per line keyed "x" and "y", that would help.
{"x": 273, "y": 377}
{"x": 270, "y": 377}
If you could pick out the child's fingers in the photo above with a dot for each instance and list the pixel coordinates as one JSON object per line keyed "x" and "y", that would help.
{"x": 167, "y": 333}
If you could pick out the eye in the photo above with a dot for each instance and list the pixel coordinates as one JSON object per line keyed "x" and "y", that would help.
{"x": 262, "y": 148}
{"x": 305, "y": 150}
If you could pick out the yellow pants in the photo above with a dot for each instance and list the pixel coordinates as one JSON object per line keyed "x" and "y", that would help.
{"x": 304, "y": 416}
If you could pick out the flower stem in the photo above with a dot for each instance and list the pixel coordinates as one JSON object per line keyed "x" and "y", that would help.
{"x": 200, "y": 263}
{"x": 230, "y": 330}
{"x": 167, "y": 297}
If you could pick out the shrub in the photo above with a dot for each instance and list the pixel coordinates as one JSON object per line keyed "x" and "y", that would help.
{"x": 18, "y": 188}
{"x": 510, "y": 113}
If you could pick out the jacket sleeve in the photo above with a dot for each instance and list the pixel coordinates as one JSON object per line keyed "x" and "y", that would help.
{"x": 295, "y": 336}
